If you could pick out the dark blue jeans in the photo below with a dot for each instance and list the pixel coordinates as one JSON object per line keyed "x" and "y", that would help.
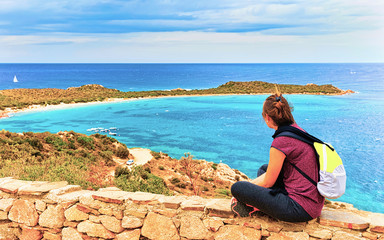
{"x": 273, "y": 201}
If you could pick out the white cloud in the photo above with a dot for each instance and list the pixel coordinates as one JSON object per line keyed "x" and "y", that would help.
{"x": 22, "y": 40}
{"x": 192, "y": 31}
{"x": 363, "y": 46}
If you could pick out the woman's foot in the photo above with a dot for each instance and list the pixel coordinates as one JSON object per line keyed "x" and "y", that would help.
{"x": 241, "y": 209}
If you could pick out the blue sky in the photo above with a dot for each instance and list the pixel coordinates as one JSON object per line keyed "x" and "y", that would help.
{"x": 191, "y": 31}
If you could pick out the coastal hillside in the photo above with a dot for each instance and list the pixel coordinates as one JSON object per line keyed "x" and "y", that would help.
{"x": 22, "y": 97}
{"x": 256, "y": 87}
{"x": 98, "y": 161}
{"x": 76, "y": 158}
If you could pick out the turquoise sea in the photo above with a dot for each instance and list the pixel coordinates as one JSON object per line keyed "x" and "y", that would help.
{"x": 227, "y": 129}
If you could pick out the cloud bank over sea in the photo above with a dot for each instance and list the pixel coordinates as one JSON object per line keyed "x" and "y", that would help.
{"x": 195, "y": 31}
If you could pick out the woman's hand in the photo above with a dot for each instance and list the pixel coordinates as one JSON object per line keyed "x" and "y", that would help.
{"x": 258, "y": 180}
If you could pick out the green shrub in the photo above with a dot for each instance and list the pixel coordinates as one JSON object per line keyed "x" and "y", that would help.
{"x": 181, "y": 185}
{"x": 35, "y": 143}
{"x": 71, "y": 144}
{"x": 122, "y": 152}
{"x": 161, "y": 167}
{"x": 214, "y": 166}
{"x": 82, "y": 153}
{"x": 35, "y": 153}
{"x": 144, "y": 175}
{"x": 205, "y": 179}
{"x": 119, "y": 171}
{"x": 33, "y": 172}
{"x": 140, "y": 180}
{"x": 224, "y": 192}
{"x": 56, "y": 141}
{"x": 156, "y": 155}
{"x": 175, "y": 180}
{"x": 86, "y": 142}
{"x": 107, "y": 156}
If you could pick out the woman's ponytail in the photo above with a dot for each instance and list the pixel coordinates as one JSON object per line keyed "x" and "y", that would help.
{"x": 278, "y": 108}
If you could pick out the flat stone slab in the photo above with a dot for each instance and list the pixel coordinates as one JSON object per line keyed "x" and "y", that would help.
{"x": 6, "y": 204}
{"x": 4, "y": 180}
{"x": 159, "y": 227}
{"x": 343, "y": 219}
{"x": 10, "y": 185}
{"x": 172, "y": 202}
{"x": 68, "y": 197}
{"x": 66, "y": 189}
{"x": 109, "y": 189}
{"x": 219, "y": 208}
{"x": 238, "y": 232}
{"x": 38, "y": 188}
{"x": 192, "y": 205}
{"x": 144, "y": 197}
{"x": 112, "y": 196}
{"x": 377, "y": 222}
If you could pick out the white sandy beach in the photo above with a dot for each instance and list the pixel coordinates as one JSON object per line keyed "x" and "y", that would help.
{"x": 8, "y": 112}
{"x": 141, "y": 155}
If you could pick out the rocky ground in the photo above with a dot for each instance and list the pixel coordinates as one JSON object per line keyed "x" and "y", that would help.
{"x": 208, "y": 178}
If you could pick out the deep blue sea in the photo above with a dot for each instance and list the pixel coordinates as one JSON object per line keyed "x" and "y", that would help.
{"x": 227, "y": 129}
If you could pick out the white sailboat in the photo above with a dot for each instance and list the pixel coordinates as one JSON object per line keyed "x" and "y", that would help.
{"x": 15, "y": 79}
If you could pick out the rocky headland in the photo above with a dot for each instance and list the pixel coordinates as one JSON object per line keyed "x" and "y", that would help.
{"x": 13, "y": 100}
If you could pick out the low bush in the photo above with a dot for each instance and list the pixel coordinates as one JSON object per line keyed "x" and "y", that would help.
{"x": 175, "y": 180}
{"x": 137, "y": 179}
{"x": 56, "y": 141}
{"x": 35, "y": 143}
{"x": 214, "y": 166}
{"x": 181, "y": 185}
{"x": 223, "y": 193}
{"x": 107, "y": 156}
{"x": 70, "y": 156}
{"x": 156, "y": 155}
{"x": 86, "y": 142}
{"x": 122, "y": 152}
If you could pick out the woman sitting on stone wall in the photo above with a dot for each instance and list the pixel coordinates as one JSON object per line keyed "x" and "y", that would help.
{"x": 280, "y": 190}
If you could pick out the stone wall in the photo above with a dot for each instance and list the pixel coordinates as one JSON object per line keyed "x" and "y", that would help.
{"x": 47, "y": 210}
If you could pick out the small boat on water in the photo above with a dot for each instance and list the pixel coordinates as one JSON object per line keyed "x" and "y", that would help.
{"x": 111, "y": 131}
{"x": 15, "y": 79}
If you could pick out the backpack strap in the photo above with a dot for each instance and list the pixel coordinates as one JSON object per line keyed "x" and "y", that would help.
{"x": 298, "y": 134}
{"x": 289, "y": 131}
{"x": 304, "y": 174}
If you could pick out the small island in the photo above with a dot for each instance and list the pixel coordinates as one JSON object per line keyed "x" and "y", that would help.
{"x": 22, "y": 98}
